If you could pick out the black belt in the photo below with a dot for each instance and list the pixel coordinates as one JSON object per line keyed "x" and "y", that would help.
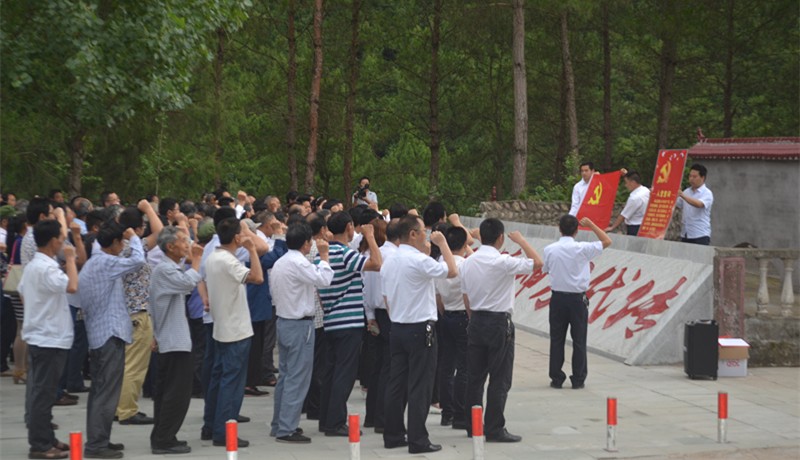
{"x": 455, "y": 312}
{"x": 569, "y": 293}
{"x": 491, "y": 313}
{"x": 305, "y": 318}
{"x": 421, "y": 323}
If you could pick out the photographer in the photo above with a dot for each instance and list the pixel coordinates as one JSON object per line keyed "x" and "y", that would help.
{"x": 364, "y": 195}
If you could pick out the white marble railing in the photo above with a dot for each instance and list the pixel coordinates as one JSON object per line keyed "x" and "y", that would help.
{"x": 765, "y": 257}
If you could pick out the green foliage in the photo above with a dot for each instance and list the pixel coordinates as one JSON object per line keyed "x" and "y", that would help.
{"x": 138, "y": 76}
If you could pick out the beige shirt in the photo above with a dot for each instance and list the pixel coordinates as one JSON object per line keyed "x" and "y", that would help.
{"x": 227, "y": 296}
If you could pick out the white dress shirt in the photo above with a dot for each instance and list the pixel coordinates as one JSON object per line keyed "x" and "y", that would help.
{"x": 408, "y": 285}
{"x": 449, "y": 289}
{"x": 293, "y": 283}
{"x": 487, "y": 278}
{"x": 356, "y": 241}
{"x": 227, "y": 297}
{"x": 48, "y": 321}
{"x": 635, "y": 207}
{"x": 373, "y": 283}
{"x": 578, "y": 193}
{"x": 697, "y": 221}
{"x": 567, "y": 262}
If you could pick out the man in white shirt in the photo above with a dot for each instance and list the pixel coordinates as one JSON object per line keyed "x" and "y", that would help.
{"x": 407, "y": 280}
{"x": 579, "y": 190}
{"x": 487, "y": 280}
{"x": 294, "y": 281}
{"x": 633, "y": 212}
{"x": 226, "y": 277}
{"x": 696, "y": 216}
{"x": 567, "y": 262}
{"x": 47, "y": 329}
{"x": 453, "y": 321}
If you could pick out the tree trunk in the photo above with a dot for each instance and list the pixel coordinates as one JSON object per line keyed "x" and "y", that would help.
{"x": 291, "y": 115}
{"x": 608, "y": 139}
{"x": 559, "y": 169}
{"x": 75, "y": 147}
{"x": 217, "y": 116}
{"x": 350, "y": 115}
{"x": 669, "y": 51}
{"x": 520, "y": 101}
{"x": 569, "y": 80}
{"x": 433, "y": 103}
{"x": 311, "y": 158}
{"x": 500, "y": 144}
{"x": 727, "y": 92}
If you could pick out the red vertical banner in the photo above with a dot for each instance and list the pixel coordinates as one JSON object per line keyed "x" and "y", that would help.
{"x": 598, "y": 204}
{"x": 663, "y": 194}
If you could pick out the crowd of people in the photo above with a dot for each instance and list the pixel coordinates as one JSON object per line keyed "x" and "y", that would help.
{"x": 175, "y": 300}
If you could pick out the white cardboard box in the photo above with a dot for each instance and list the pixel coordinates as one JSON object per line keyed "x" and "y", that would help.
{"x": 733, "y": 354}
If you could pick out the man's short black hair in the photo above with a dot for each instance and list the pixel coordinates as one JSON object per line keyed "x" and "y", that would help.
{"x": 225, "y": 201}
{"x": 700, "y": 169}
{"x": 223, "y": 213}
{"x": 95, "y": 218}
{"x": 316, "y": 221}
{"x": 568, "y": 225}
{"x": 302, "y": 199}
{"x": 491, "y": 229}
{"x": 355, "y": 213}
{"x": 364, "y": 177}
{"x": 109, "y": 232}
{"x": 587, "y": 163}
{"x": 295, "y": 218}
{"x": 634, "y": 176}
{"x": 297, "y": 235}
{"x": 368, "y": 216}
{"x": 405, "y": 225}
{"x": 227, "y": 230}
{"x": 53, "y": 192}
{"x": 131, "y": 217}
{"x": 433, "y": 213}
{"x": 338, "y": 221}
{"x": 104, "y": 197}
{"x": 36, "y": 207}
{"x": 391, "y": 231}
{"x": 166, "y": 205}
{"x": 456, "y": 238}
{"x": 398, "y": 211}
{"x": 331, "y": 203}
{"x": 44, "y": 231}
{"x": 291, "y": 196}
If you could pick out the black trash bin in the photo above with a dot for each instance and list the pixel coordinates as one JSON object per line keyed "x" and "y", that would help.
{"x": 701, "y": 349}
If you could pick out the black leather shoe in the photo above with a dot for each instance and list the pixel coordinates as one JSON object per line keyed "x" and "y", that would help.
{"x": 116, "y": 446}
{"x": 176, "y": 449}
{"x": 242, "y": 419}
{"x": 138, "y": 419}
{"x": 379, "y": 429}
{"x": 458, "y": 425}
{"x": 578, "y": 386}
{"x": 342, "y": 431}
{"x": 446, "y": 421}
{"x": 412, "y": 449}
{"x": 205, "y": 434}
{"x": 102, "y": 453}
{"x": 505, "y": 436}
{"x": 241, "y": 443}
{"x": 369, "y": 424}
{"x": 395, "y": 444}
{"x": 555, "y": 385}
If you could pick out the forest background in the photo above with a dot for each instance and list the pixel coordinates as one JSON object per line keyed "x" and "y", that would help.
{"x": 179, "y": 97}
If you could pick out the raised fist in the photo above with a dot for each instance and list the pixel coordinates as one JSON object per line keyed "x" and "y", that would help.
{"x": 367, "y": 231}
{"x": 322, "y": 246}
{"x": 143, "y": 205}
{"x": 247, "y": 243}
{"x": 438, "y": 239}
{"x": 69, "y": 251}
{"x": 129, "y": 233}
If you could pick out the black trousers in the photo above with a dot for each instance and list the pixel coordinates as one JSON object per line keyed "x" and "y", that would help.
{"x": 198, "y": 334}
{"x": 108, "y": 367}
{"x": 632, "y": 230}
{"x": 414, "y": 349}
{"x": 376, "y": 391}
{"x": 45, "y": 366}
{"x": 72, "y": 379}
{"x": 568, "y": 310}
{"x": 171, "y": 401}
{"x": 270, "y": 340}
{"x": 453, "y": 364}
{"x": 8, "y": 330}
{"x": 314, "y": 395}
{"x": 255, "y": 368}
{"x": 490, "y": 352}
{"x": 341, "y": 366}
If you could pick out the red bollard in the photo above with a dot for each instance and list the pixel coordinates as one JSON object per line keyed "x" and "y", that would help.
{"x": 354, "y": 426}
{"x": 722, "y": 417}
{"x": 611, "y": 424}
{"x": 232, "y": 439}
{"x": 75, "y": 445}
{"x": 477, "y": 433}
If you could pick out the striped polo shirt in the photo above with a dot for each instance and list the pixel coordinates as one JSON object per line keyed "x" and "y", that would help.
{"x": 343, "y": 301}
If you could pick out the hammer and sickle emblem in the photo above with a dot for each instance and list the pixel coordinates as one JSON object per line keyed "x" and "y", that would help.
{"x": 598, "y": 192}
{"x": 664, "y": 173}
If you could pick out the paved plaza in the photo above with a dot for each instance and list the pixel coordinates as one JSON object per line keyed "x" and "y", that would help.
{"x": 662, "y": 414}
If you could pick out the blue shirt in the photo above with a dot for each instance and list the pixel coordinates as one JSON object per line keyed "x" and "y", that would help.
{"x": 103, "y": 297}
{"x": 259, "y": 298}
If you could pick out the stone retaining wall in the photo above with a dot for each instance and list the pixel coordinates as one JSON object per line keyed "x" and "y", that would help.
{"x": 548, "y": 213}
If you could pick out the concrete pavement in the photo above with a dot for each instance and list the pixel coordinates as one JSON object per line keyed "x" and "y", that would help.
{"x": 662, "y": 414}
